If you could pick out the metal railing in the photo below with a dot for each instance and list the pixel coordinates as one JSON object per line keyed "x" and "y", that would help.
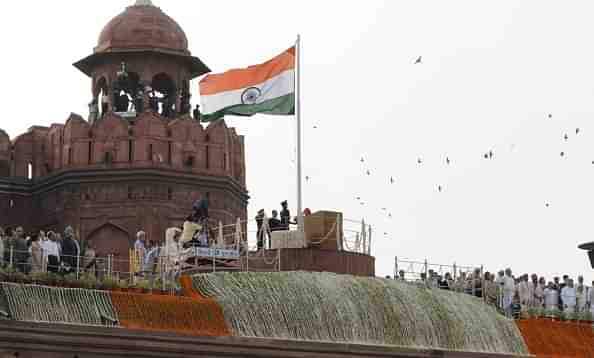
{"x": 471, "y": 279}
{"x": 349, "y": 235}
{"x": 460, "y": 278}
{"x": 233, "y": 247}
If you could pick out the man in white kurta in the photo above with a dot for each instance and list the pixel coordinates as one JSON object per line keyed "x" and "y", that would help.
{"x": 509, "y": 290}
{"x": 171, "y": 253}
{"x": 581, "y": 293}
{"x": 532, "y": 285}
{"x": 568, "y": 296}
{"x": 539, "y": 292}
{"x": 140, "y": 248}
{"x": 524, "y": 291}
{"x": 551, "y": 297}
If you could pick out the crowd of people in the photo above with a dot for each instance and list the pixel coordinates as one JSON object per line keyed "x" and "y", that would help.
{"x": 65, "y": 253}
{"x": 513, "y": 294}
{"x": 51, "y": 251}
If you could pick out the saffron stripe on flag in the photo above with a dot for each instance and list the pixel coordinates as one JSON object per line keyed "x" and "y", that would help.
{"x": 248, "y": 77}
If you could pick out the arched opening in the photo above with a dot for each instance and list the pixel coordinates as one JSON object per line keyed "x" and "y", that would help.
{"x": 189, "y": 162}
{"x": 163, "y": 95}
{"x": 127, "y": 91}
{"x": 186, "y": 99}
{"x": 102, "y": 96}
{"x": 130, "y": 150}
{"x": 169, "y": 153}
{"x": 110, "y": 239}
{"x": 108, "y": 158}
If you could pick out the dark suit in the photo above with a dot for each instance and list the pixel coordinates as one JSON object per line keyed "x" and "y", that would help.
{"x": 69, "y": 252}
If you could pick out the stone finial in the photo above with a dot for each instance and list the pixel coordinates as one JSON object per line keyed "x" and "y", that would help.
{"x": 144, "y": 3}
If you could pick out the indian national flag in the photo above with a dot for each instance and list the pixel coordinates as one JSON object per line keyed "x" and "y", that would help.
{"x": 267, "y": 88}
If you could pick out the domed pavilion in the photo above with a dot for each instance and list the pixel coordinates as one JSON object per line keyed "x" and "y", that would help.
{"x": 139, "y": 160}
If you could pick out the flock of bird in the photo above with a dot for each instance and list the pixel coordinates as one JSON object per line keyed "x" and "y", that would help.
{"x": 489, "y": 155}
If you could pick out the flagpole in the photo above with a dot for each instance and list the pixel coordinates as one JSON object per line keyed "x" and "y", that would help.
{"x": 298, "y": 115}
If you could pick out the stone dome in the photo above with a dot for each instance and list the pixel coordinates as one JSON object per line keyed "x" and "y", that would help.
{"x": 143, "y": 26}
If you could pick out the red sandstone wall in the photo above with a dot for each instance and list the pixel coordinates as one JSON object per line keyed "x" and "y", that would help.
{"x": 313, "y": 259}
{"x": 216, "y": 150}
{"x": 148, "y": 185}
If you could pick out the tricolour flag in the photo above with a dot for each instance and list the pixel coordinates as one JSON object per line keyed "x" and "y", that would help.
{"x": 267, "y": 88}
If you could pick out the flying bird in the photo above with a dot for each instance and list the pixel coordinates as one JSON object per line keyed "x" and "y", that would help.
{"x": 384, "y": 209}
{"x": 419, "y": 60}
{"x": 566, "y": 137}
{"x": 315, "y": 127}
{"x": 490, "y": 154}
{"x": 577, "y": 131}
{"x": 547, "y": 205}
{"x": 419, "y": 161}
{"x": 562, "y": 154}
{"x": 368, "y": 172}
{"x": 448, "y": 161}
{"x": 550, "y": 116}
{"x": 392, "y": 181}
{"x": 307, "y": 178}
{"x": 362, "y": 160}
{"x": 440, "y": 188}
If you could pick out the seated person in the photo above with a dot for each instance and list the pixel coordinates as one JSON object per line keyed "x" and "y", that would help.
{"x": 190, "y": 233}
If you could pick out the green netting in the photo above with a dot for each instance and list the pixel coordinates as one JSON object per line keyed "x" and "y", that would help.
{"x": 58, "y": 305}
{"x": 340, "y": 308}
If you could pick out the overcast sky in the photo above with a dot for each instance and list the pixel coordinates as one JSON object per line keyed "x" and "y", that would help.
{"x": 491, "y": 74}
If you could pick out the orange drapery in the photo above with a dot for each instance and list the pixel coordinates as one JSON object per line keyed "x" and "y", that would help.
{"x": 184, "y": 315}
{"x": 547, "y": 338}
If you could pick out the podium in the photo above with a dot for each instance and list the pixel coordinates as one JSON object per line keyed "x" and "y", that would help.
{"x": 287, "y": 240}
{"x": 320, "y": 233}
{"x": 320, "y": 230}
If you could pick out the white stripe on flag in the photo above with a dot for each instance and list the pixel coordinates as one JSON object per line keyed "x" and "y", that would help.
{"x": 276, "y": 87}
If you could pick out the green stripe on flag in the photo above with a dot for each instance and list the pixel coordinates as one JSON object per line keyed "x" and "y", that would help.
{"x": 284, "y": 105}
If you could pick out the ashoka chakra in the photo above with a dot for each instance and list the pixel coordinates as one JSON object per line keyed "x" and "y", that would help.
{"x": 251, "y": 95}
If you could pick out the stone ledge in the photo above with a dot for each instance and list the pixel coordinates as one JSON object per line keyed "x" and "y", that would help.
{"x": 61, "y": 341}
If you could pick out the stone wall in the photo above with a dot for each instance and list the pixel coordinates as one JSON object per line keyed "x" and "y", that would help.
{"x": 118, "y": 176}
{"x": 32, "y": 340}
